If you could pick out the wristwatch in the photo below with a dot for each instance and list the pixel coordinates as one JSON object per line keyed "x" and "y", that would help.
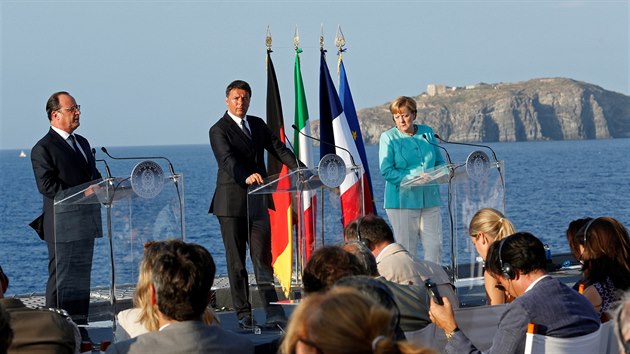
{"x": 449, "y": 336}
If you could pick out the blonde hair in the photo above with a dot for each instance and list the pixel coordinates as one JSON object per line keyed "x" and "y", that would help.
{"x": 142, "y": 295}
{"x": 341, "y": 321}
{"x": 491, "y": 223}
{"x": 403, "y": 101}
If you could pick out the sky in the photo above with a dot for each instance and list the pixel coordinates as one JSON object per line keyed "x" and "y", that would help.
{"x": 155, "y": 72}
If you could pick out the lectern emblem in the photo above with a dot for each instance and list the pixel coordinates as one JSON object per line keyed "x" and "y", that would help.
{"x": 147, "y": 179}
{"x": 477, "y": 165}
{"x": 332, "y": 170}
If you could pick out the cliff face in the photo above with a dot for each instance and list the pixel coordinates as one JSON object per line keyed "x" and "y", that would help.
{"x": 539, "y": 109}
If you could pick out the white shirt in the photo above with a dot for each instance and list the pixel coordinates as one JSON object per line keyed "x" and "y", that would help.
{"x": 239, "y": 121}
{"x": 66, "y": 136}
{"x": 536, "y": 282}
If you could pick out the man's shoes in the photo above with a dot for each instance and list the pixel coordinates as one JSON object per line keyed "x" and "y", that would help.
{"x": 276, "y": 321}
{"x": 247, "y": 322}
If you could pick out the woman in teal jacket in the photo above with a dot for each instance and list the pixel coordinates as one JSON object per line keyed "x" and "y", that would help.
{"x": 404, "y": 152}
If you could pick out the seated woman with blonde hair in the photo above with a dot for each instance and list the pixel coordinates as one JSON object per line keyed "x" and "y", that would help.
{"x": 341, "y": 321}
{"x": 143, "y": 318}
{"x": 486, "y": 226}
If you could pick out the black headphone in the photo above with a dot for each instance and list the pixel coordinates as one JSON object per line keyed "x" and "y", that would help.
{"x": 506, "y": 268}
{"x": 586, "y": 230}
{"x": 366, "y": 242}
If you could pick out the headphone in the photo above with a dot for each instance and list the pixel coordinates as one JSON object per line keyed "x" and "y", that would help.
{"x": 586, "y": 230}
{"x": 506, "y": 268}
{"x": 366, "y": 242}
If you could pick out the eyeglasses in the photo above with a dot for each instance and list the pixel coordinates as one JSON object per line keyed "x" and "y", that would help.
{"x": 72, "y": 109}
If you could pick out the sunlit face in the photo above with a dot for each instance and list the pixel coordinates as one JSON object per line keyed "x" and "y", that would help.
{"x": 67, "y": 117}
{"x": 238, "y": 102}
{"x": 404, "y": 120}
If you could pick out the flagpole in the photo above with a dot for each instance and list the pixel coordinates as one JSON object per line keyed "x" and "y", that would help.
{"x": 321, "y": 189}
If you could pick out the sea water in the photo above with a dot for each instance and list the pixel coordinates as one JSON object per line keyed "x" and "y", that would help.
{"x": 548, "y": 184}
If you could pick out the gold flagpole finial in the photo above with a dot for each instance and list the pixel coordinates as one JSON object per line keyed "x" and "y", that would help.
{"x": 296, "y": 38}
{"x": 321, "y": 38}
{"x": 268, "y": 39}
{"x": 340, "y": 40}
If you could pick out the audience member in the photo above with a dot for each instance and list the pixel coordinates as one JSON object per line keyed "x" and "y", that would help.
{"x": 6, "y": 333}
{"x": 378, "y": 292}
{"x": 519, "y": 264}
{"x": 327, "y": 265}
{"x": 412, "y": 300}
{"x": 623, "y": 325}
{"x": 393, "y": 261}
{"x": 37, "y": 330}
{"x": 181, "y": 280}
{"x": 603, "y": 245}
{"x": 486, "y": 226}
{"x": 143, "y": 317}
{"x": 343, "y": 321}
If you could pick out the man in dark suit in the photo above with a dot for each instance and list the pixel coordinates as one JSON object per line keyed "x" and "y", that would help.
{"x": 62, "y": 162}
{"x": 519, "y": 262}
{"x": 239, "y": 142}
{"x": 182, "y": 279}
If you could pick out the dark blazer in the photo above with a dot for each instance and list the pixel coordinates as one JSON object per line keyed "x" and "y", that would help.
{"x": 558, "y": 310}
{"x": 56, "y": 169}
{"x": 39, "y": 330}
{"x": 186, "y": 337}
{"x": 238, "y": 157}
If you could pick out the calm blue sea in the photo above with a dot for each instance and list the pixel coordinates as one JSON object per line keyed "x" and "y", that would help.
{"x": 548, "y": 184}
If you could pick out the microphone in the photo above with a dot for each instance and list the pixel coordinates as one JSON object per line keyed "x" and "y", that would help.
{"x": 325, "y": 142}
{"x": 107, "y": 171}
{"x": 170, "y": 165}
{"x": 494, "y": 155}
{"x": 448, "y": 156}
{"x": 286, "y": 139}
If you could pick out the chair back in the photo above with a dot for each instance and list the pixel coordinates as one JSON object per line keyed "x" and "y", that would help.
{"x": 540, "y": 344}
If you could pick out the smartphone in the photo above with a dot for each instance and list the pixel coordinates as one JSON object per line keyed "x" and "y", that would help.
{"x": 433, "y": 291}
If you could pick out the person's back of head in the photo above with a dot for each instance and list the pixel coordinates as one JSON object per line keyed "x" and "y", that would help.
{"x": 606, "y": 251}
{"x": 378, "y": 292}
{"x": 491, "y": 223}
{"x": 327, "y": 265}
{"x": 182, "y": 277}
{"x": 574, "y": 237}
{"x": 521, "y": 251}
{"x": 364, "y": 255}
{"x": 371, "y": 230}
{"x": 341, "y": 321}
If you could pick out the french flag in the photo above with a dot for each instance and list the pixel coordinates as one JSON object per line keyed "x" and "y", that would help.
{"x": 334, "y": 129}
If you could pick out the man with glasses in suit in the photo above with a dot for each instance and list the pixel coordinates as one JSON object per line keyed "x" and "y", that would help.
{"x": 62, "y": 160}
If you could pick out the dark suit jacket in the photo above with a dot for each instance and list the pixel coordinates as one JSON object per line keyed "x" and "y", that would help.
{"x": 558, "y": 310}
{"x": 56, "y": 169}
{"x": 39, "y": 331}
{"x": 238, "y": 157}
{"x": 186, "y": 337}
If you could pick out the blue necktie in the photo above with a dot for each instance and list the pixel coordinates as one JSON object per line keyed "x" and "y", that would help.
{"x": 76, "y": 147}
{"x": 246, "y": 130}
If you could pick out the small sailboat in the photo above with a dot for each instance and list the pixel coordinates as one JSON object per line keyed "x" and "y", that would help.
{"x": 22, "y": 154}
